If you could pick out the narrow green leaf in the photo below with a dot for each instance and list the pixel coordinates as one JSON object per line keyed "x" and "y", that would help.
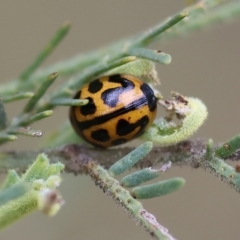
{"x": 144, "y": 175}
{"x": 17, "y": 96}
{"x": 129, "y": 160}
{"x": 40, "y": 92}
{"x": 69, "y": 102}
{"x": 139, "y": 177}
{"x": 158, "y": 189}
{"x": 154, "y": 55}
{"x": 149, "y": 35}
{"x": 37, "y": 117}
{"x": 53, "y": 43}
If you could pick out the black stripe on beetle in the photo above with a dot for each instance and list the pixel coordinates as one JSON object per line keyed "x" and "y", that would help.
{"x": 104, "y": 118}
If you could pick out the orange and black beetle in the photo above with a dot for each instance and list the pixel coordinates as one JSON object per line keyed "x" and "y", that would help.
{"x": 121, "y": 107}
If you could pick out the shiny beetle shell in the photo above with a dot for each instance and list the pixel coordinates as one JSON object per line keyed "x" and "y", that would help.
{"x": 120, "y": 108}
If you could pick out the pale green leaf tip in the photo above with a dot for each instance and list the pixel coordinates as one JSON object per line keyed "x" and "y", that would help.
{"x": 139, "y": 177}
{"x": 48, "y": 113}
{"x": 166, "y": 58}
{"x": 158, "y": 189}
{"x": 52, "y": 76}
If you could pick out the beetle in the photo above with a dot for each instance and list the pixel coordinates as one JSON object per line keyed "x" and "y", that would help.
{"x": 120, "y": 108}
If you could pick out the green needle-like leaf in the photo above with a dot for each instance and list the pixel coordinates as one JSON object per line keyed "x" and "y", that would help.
{"x": 69, "y": 102}
{"x": 53, "y": 43}
{"x": 139, "y": 177}
{"x": 149, "y": 35}
{"x": 154, "y": 55}
{"x": 129, "y": 160}
{"x": 158, "y": 189}
{"x": 17, "y": 96}
{"x": 40, "y": 92}
{"x": 37, "y": 117}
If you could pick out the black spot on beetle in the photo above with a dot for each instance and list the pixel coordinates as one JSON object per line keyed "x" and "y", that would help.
{"x": 100, "y": 135}
{"x": 119, "y": 79}
{"x": 110, "y": 96}
{"x": 95, "y": 86}
{"x": 124, "y": 127}
{"x": 149, "y": 94}
{"x": 88, "y": 109}
{"x": 118, "y": 141}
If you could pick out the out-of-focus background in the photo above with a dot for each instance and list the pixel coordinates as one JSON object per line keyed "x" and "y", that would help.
{"x": 205, "y": 64}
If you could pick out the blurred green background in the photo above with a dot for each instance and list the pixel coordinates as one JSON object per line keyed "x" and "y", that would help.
{"x": 205, "y": 64}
